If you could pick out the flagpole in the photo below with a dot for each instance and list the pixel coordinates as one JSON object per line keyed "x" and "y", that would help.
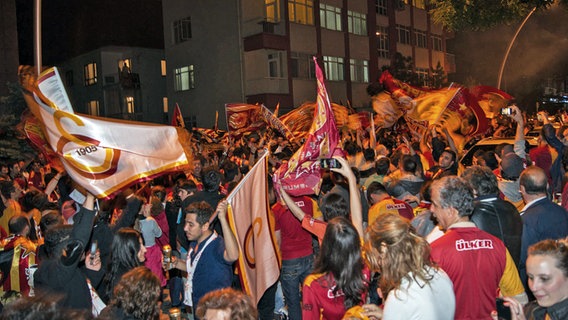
{"x": 37, "y": 36}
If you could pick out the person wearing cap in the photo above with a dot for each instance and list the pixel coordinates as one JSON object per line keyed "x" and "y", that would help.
{"x": 542, "y": 218}
{"x": 477, "y": 262}
{"x": 511, "y": 167}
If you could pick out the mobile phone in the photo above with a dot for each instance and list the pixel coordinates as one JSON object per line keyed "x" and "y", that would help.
{"x": 539, "y": 117}
{"x": 93, "y": 251}
{"x": 328, "y": 163}
{"x": 507, "y": 111}
{"x": 503, "y": 311}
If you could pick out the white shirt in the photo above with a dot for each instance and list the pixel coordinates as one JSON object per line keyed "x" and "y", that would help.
{"x": 414, "y": 300}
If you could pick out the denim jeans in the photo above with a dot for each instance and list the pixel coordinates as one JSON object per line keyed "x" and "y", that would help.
{"x": 292, "y": 277}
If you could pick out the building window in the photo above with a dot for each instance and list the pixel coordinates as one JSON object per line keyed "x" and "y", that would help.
{"x": 184, "y": 78}
{"x": 357, "y": 23}
{"x": 93, "y": 107}
{"x": 182, "y": 30}
{"x": 437, "y": 43}
{"x": 275, "y": 63}
{"x": 90, "y": 72}
{"x": 333, "y": 68}
{"x": 165, "y": 104}
{"x": 383, "y": 41}
{"x": 190, "y": 121}
{"x": 381, "y": 7}
{"x": 359, "y": 70}
{"x": 330, "y": 17}
{"x": 163, "y": 68}
{"x": 403, "y": 34}
{"x": 421, "y": 39}
{"x": 302, "y": 66}
{"x": 301, "y": 11}
{"x": 125, "y": 63}
{"x": 422, "y": 76}
{"x": 420, "y": 4}
{"x": 272, "y": 10}
{"x": 130, "y": 104}
{"x": 69, "y": 78}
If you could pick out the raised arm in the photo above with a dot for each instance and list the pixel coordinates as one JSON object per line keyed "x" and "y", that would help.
{"x": 292, "y": 206}
{"x": 354, "y": 196}
{"x": 519, "y": 145}
{"x": 231, "y": 246}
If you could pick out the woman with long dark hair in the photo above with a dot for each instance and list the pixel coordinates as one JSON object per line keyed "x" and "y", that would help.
{"x": 127, "y": 252}
{"x": 340, "y": 278}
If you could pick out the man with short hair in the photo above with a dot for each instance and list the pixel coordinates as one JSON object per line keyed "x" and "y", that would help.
{"x": 382, "y": 203}
{"x": 210, "y": 257}
{"x": 446, "y": 165}
{"x": 10, "y": 191}
{"x": 542, "y": 218}
{"x": 491, "y": 214}
{"x": 477, "y": 262}
{"x": 20, "y": 264}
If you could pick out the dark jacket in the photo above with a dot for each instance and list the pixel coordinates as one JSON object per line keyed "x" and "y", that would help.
{"x": 557, "y": 169}
{"x": 62, "y": 275}
{"x": 558, "y": 311}
{"x": 501, "y": 219}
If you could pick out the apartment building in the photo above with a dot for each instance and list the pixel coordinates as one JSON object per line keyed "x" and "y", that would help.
{"x": 260, "y": 51}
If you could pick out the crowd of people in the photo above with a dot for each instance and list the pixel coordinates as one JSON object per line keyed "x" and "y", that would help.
{"x": 399, "y": 230}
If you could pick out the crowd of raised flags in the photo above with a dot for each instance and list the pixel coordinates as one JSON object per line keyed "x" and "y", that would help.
{"x": 105, "y": 156}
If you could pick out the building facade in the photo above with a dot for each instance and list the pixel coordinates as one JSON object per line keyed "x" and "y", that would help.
{"x": 260, "y": 51}
{"x": 118, "y": 82}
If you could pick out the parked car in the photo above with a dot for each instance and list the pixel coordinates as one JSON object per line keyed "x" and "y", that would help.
{"x": 489, "y": 144}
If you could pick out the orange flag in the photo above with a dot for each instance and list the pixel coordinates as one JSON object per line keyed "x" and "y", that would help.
{"x": 253, "y": 224}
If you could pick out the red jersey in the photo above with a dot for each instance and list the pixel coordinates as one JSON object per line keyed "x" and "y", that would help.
{"x": 319, "y": 301}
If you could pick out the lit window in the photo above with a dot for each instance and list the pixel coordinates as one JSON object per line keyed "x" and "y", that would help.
{"x": 165, "y": 104}
{"x": 437, "y": 43}
{"x": 420, "y": 4}
{"x": 163, "y": 67}
{"x": 93, "y": 107}
{"x": 182, "y": 30}
{"x": 90, "y": 72}
{"x": 423, "y": 76}
{"x": 359, "y": 70}
{"x": 330, "y": 17}
{"x": 184, "y": 78}
{"x": 333, "y": 68}
{"x": 123, "y": 63}
{"x": 403, "y": 34}
{"x": 302, "y": 66}
{"x": 275, "y": 63}
{"x": 383, "y": 42}
{"x": 421, "y": 39}
{"x": 130, "y": 104}
{"x": 381, "y": 7}
{"x": 301, "y": 11}
{"x": 357, "y": 23}
{"x": 272, "y": 10}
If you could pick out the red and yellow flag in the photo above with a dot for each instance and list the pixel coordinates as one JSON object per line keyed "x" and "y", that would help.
{"x": 302, "y": 174}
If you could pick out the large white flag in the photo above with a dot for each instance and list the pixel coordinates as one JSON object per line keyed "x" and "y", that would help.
{"x": 253, "y": 224}
{"x": 100, "y": 154}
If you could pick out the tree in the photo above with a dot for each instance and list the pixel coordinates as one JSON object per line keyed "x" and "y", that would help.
{"x": 459, "y": 15}
{"x": 13, "y": 143}
{"x": 437, "y": 76}
{"x": 401, "y": 68}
